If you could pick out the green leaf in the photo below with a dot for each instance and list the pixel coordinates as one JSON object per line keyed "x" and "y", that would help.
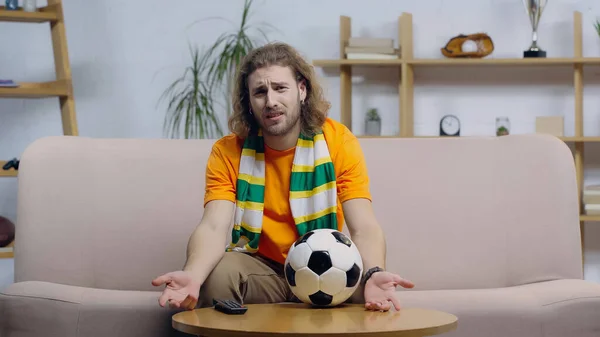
{"x": 192, "y": 98}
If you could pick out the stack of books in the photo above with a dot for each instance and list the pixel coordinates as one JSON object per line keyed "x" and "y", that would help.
{"x": 591, "y": 199}
{"x": 365, "y": 48}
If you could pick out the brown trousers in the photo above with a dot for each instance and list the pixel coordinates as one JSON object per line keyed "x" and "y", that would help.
{"x": 250, "y": 279}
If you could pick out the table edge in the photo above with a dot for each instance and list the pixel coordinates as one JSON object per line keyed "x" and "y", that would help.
{"x": 209, "y": 332}
{"x": 422, "y": 332}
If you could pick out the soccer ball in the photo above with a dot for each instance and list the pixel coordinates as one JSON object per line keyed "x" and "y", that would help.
{"x": 323, "y": 267}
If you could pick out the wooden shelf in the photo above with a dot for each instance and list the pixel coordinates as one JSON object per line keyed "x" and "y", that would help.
{"x": 359, "y": 62}
{"x": 462, "y": 62}
{"x": 505, "y": 62}
{"x": 584, "y": 217}
{"x": 565, "y": 139}
{"x": 44, "y": 14}
{"x": 59, "y": 88}
{"x": 580, "y": 139}
{"x": 7, "y": 252}
{"x": 7, "y": 173}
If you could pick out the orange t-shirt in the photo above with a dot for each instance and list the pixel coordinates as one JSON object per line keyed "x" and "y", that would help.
{"x": 278, "y": 228}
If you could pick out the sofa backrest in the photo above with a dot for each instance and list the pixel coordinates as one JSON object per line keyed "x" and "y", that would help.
{"x": 477, "y": 212}
{"x": 458, "y": 213}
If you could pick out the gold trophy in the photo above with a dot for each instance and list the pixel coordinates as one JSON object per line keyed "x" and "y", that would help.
{"x": 534, "y": 9}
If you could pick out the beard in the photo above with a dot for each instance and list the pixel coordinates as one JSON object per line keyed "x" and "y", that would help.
{"x": 283, "y": 125}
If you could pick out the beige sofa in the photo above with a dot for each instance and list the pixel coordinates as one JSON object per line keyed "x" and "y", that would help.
{"x": 487, "y": 228}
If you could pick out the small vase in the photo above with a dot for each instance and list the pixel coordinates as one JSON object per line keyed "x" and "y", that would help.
{"x": 373, "y": 128}
{"x": 12, "y": 5}
{"x": 30, "y": 5}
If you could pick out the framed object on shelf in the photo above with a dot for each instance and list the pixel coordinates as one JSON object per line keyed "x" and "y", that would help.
{"x": 450, "y": 126}
{"x": 552, "y": 125}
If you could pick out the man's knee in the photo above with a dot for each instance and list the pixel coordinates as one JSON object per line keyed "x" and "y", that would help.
{"x": 227, "y": 271}
{"x": 224, "y": 281}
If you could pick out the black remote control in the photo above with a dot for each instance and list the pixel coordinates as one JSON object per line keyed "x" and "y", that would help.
{"x": 229, "y": 307}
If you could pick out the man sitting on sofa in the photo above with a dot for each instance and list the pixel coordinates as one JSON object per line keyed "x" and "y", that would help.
{"x": 279, "y": 114}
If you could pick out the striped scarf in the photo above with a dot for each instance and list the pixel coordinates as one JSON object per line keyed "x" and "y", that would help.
{"x": 313, "y": 193}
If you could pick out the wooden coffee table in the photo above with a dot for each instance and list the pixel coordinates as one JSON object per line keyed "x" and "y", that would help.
{"x": 289, "y": 319}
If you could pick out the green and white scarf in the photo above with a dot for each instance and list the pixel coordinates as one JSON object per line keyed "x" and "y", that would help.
{"x": 313, "y": 192}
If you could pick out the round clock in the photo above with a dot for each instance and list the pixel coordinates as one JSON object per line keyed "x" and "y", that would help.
{"x": 449, "y": 126}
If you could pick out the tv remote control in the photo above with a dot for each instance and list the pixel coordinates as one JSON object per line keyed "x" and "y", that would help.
{"x": 229, "y": 307}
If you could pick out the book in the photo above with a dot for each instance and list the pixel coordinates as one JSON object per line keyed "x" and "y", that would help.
{"x": 8, "y": 83}
{"x": 591, "y": 194}
{"x": 378, "y": 50}
{"x": 370, "y": 42}
{"x": 371, "y": 56}
{"x": 592, "y": 209}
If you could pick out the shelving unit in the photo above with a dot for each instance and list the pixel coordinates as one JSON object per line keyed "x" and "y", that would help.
{"x": 49, "y": 13}
{"x": 60, "y": 88}
{"x": 461, "y": 62}
{"x": 407, "y": 64}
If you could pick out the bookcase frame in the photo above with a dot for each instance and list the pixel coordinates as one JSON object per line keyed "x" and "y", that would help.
{"x": 407, "y": 64}
{"x": 60, "y": 88}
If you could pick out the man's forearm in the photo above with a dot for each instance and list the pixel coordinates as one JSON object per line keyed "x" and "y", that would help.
{"x": 206, "y": 245}
{"x": 372, "y": 247}
{"x": 365, "y": 232}
{"x": 368, "y": 236}
{"x": 205, "y": 249}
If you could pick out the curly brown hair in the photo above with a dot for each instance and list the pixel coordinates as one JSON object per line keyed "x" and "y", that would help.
{"x": 312, "y": 113}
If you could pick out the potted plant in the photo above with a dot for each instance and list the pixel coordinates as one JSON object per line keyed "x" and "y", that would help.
{"x": 190, "y": 103}
{"x": 502, "y": 126}
{"x": 373, "y": 123}
{"x": 191, "y": 99}
{"x": 597, "y": 27}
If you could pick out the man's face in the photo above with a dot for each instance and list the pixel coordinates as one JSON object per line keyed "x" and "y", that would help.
{"x": 275, "y": 98}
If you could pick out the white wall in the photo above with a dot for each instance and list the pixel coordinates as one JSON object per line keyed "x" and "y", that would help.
{"x": 124, "y": 53}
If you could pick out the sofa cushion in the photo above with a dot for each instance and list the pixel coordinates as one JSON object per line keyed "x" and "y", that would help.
{"x": 568, "y": 307}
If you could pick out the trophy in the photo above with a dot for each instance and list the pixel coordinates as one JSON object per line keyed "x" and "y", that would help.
{"x": 534, "y": 9}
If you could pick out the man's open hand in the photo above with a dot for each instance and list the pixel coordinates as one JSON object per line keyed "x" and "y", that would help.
{"x": 380, "y": 291}
{"x": 181, "y": 290}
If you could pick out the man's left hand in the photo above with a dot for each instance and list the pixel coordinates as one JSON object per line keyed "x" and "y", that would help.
{"x": 380, "y": 291}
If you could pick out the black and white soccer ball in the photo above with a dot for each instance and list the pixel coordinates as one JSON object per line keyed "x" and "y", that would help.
{"x": 323, "y": 267}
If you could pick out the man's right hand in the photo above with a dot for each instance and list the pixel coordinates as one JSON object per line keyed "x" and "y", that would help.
{"x": 204, "y": 251}
{"x": 181, "y": 290}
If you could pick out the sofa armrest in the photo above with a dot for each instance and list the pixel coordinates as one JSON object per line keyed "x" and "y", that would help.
{"x": 70, "y": 311}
